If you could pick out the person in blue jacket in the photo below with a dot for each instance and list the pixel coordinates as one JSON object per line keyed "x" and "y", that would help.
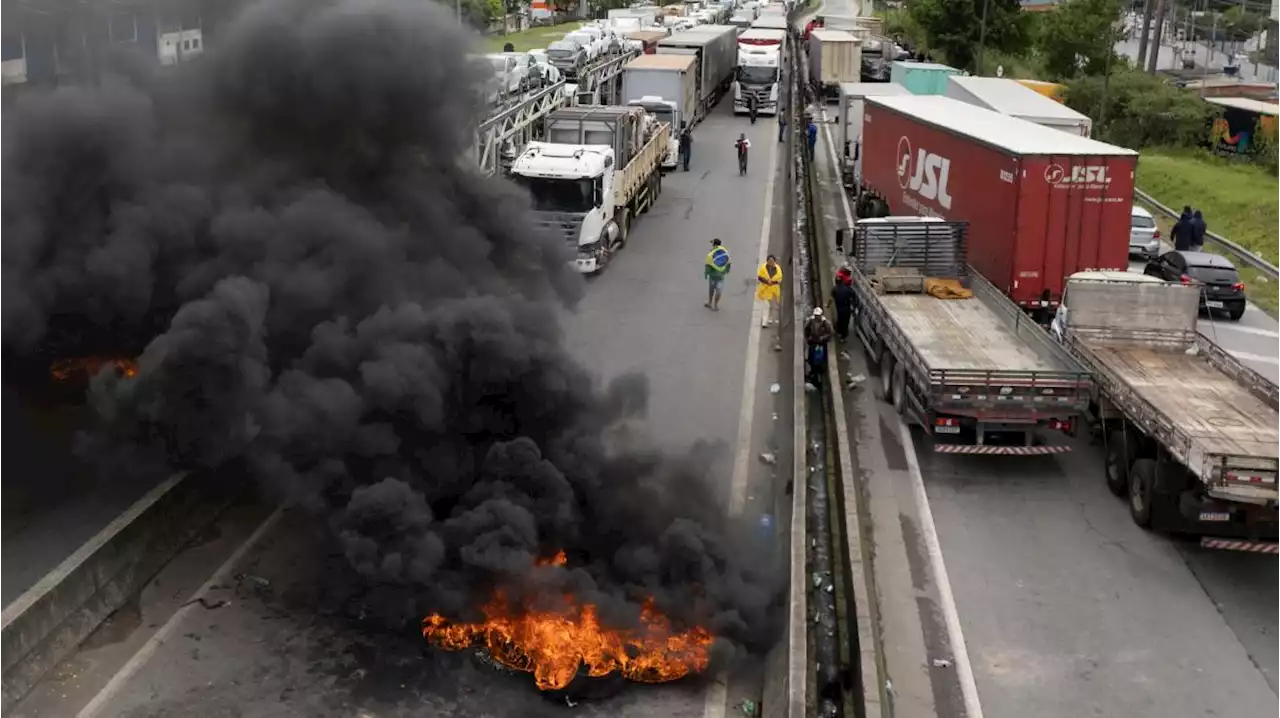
{"x": 812, "y": 137}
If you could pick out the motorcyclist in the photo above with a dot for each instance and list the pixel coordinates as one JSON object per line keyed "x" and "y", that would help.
{"x": 817, "y": 334}
{"x": 742, "y": 145}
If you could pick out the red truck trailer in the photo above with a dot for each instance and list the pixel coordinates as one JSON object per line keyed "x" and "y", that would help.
{"x": 1041, "y": 204}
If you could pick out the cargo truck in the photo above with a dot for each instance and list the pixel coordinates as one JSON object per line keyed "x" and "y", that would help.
{"x": 716, "y": 50}
{"x": 1012, "y": 98}
{"x": 771, "y": 22}
{"x": 1041, "y": 204}
{"x": 648, "y": 39}
{"x": 950, "y": 352}
{"x": 835, "y": 57}
{"x": 1190, "y": 433}
{"x": 922, "y": 78}
{"x": 758, "y": 79}
{"x": 595, "y": 173}
{"x": 666, "y": 87}
{"x": 852, "y": 98}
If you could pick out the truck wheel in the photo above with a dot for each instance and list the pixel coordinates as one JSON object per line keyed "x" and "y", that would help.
{"x": 884, "y": 387}
{"x": 624, "y": 227}
{"x": 1117, "y": 468}
{"x": 1142, "y": 491}
{"x": 900, "y": 388}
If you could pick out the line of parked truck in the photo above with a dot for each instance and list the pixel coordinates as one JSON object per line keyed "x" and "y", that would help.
{"x": 1004, "y": 217}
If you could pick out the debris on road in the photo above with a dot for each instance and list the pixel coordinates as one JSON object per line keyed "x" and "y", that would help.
{"x": 769, "y": 458}
{"x": 775, "y": 388}
{"x": 256, "y": 581}
{"x": 853, "y": 381}
{"x": 748, "y": 708}
{"x": 206, "y": 603}
{"x": 941, "y": 663}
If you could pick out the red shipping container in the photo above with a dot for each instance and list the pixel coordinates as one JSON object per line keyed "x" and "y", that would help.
{"x": 1041, "y": 204}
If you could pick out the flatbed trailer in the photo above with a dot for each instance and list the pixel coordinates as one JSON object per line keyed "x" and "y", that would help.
{"x": 975, "y": 373}
{"x": 1190, "y": 432}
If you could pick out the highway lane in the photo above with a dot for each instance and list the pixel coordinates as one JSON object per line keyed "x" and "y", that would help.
{"x": 1066, "y": 608}
{"x": 288, "y": 648}
{"x": 1171, "y": 59}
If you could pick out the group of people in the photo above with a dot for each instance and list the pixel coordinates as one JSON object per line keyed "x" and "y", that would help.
{"x": 742, "y": 145}
{"x": 818, "y": 329}
{"x": 1188, "y": 232}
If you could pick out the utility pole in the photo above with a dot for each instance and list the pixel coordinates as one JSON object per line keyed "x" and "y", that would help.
{"x": 982, "y": 36}
{"x": 1147, "y": 9}
{"x": 1154, "y": 60}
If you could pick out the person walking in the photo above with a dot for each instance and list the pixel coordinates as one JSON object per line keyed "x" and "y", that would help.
{"x": 1182, "y": 231}
{"x": 1198, "y": 228}
{"x": 817, "y": 333}
{"x": 715, "y": 269}
{"x": 769, "y": 290}
{"x": 753, "y": 107}
{"x": 686, "y": 147}
{"x": 811, "y": 138}
{"x": 782, "y": 124}
{"x": 742, "y": 145}
{"x": 842, "y": 301}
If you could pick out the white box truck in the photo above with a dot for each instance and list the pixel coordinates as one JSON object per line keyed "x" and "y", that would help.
{"x": 1012, "y": 98}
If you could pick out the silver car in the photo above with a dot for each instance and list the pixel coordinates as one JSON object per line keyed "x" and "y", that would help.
{"x": 1144, "y": 236}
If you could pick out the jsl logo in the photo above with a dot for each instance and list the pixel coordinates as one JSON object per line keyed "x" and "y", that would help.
{"x": 925, "y": 173}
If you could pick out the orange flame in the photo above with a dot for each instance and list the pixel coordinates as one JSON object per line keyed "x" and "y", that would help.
{"x": 554, "y": 645}
{"x": 65, "y": 369}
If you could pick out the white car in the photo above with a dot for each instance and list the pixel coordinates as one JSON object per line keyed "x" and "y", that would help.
{"x": 550, "y": 73}
{"x": 588, "y": 42}
{"x": 1144, "y": 236}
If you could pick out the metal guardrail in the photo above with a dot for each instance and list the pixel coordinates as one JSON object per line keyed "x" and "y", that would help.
{"x": 1230, "y": 247}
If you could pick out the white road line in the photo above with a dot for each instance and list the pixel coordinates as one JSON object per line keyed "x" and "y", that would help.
{"x": 959, "y": 651}
{"x": 955, "y": 635}
{"x": 714, "y": 705}
{"x": 148, "y": 650}
{"x": 1209, "y": 327}
{"x": 1246, "y": 356}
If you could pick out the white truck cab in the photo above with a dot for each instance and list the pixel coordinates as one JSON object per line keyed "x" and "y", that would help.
{"x": 759, "y": 77}
{"x": 572, "y": 189}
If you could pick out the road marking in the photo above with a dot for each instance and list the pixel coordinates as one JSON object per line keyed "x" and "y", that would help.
{"x": 714, "y": 705}
{"x": 959, "y": 651}
{"x": 1261, "y": 358}
{"x": 1210, "y": 327}
{"x": 148, "y": 650}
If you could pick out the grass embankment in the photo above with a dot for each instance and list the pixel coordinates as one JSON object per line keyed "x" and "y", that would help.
{"x": 531, "y": 39}
{"x": 1239, "y": 202}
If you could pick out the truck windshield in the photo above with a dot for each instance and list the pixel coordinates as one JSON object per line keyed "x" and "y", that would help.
{"x": 559, "y": 195}
{"x": 758, "y": 75}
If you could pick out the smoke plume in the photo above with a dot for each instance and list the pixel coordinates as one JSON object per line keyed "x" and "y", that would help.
{"x": 290, "y": 236}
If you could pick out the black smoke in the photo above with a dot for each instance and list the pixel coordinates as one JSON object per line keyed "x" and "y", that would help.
{"x": 290, "y": 235}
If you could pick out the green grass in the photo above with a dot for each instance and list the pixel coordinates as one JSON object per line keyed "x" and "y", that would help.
{"x": 1239, "y": 202}
{"x": 531, "y": 39}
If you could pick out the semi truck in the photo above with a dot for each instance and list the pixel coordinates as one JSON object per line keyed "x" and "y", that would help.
{"x": 758, "y": 79}
{"x": 597, "y": 170}
{"x": 1190, "y": 433}
{"x": 716, "y": 49}
{"x": 666, "y": 87}
{"x": 1012, "y": 98}
{"x": 953, "y": 355}
{"x": 771, "y": 22}
{"x": 852, "y": 98}
{"x": 835, "y": 57}
{"x": 1042, "y": 204}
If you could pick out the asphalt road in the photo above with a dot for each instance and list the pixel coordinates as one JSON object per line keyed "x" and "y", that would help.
{"x": 1065, "y": 607}
{"x": 1170, "y": 59}
{"x": 283, "y": 648}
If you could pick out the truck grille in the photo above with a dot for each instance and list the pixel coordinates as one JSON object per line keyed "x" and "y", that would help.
{"x": 566, "y": 225}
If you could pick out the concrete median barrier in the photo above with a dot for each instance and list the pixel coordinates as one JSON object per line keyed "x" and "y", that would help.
{"x": 48, "y": 622}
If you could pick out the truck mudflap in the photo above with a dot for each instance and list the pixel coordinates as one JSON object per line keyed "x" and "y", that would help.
{"x": 1221, "y": 544}
{"x": 999, "y": 450}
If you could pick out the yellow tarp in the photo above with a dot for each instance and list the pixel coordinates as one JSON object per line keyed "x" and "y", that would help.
{"x": 946, "y": 288}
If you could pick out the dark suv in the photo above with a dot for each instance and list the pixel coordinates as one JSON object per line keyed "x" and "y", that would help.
{"x": 1221, "y": 288}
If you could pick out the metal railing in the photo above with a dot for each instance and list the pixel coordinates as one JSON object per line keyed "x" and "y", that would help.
{"x": 1236, "y": 251}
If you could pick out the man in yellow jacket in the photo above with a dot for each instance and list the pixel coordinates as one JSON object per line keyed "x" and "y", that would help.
{"x": 769, "y": 290}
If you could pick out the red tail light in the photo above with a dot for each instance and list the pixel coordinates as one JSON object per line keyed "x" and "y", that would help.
{"x": 1238, "y": 286}
{"x": 1060, "y": 425}
{"x": 1156, "y": 235}
{"x": 1185, "y": 279}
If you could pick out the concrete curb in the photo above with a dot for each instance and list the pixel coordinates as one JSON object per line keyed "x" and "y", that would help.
{"x": 46, "y": 624}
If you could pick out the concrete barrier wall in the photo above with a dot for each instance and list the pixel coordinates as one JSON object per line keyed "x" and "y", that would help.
{"x": 48, "y": 622}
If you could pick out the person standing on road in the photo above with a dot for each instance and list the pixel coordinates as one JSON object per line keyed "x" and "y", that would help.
{"x": 715, "y": 269}
{"x": 1198, "y": 228}
{"x": 1182, "y": 232}
{"x": 769, "y": 290}
{"x": 753, "y": 106}
{"x": 817, "y": 333}
{"x": 686, "y": 147}
{"x": 782, "y": 124}
{"x": 842, "y": 301}
{"x": 742, "y": 145}
{"x": 812, "y": 138}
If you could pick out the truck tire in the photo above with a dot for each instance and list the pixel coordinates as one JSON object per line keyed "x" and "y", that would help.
{"x": 1118, "y": 462}
{"x": 884, "y": 388}
{"x": 899, "y": 383}
{"x": 624, "y": 226}
{"x": 1142, "y": 491}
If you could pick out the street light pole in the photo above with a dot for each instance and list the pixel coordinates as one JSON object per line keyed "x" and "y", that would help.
{"x": 982, "y": 35}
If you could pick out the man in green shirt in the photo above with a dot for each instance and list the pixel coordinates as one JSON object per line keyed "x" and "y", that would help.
{"x": 715, "y": 269}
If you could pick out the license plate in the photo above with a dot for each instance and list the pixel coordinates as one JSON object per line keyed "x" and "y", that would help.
{"x": 1213, "y": 305}
{"x": 1215, "y": 516}
{"x": 946, "y": 430}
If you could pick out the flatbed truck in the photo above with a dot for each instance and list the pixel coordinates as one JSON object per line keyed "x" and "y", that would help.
{"x": 974, "y": 372}
{"x": 1190, "y": 432}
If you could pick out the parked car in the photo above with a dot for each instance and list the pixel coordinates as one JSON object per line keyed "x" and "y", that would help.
{"x": 568, "y": 56}
{"x": 510, "y": 72}
{"x": 550, "y": 73}
{"x": 1144, "y": 235}
{"x": 1221, "y": 290}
